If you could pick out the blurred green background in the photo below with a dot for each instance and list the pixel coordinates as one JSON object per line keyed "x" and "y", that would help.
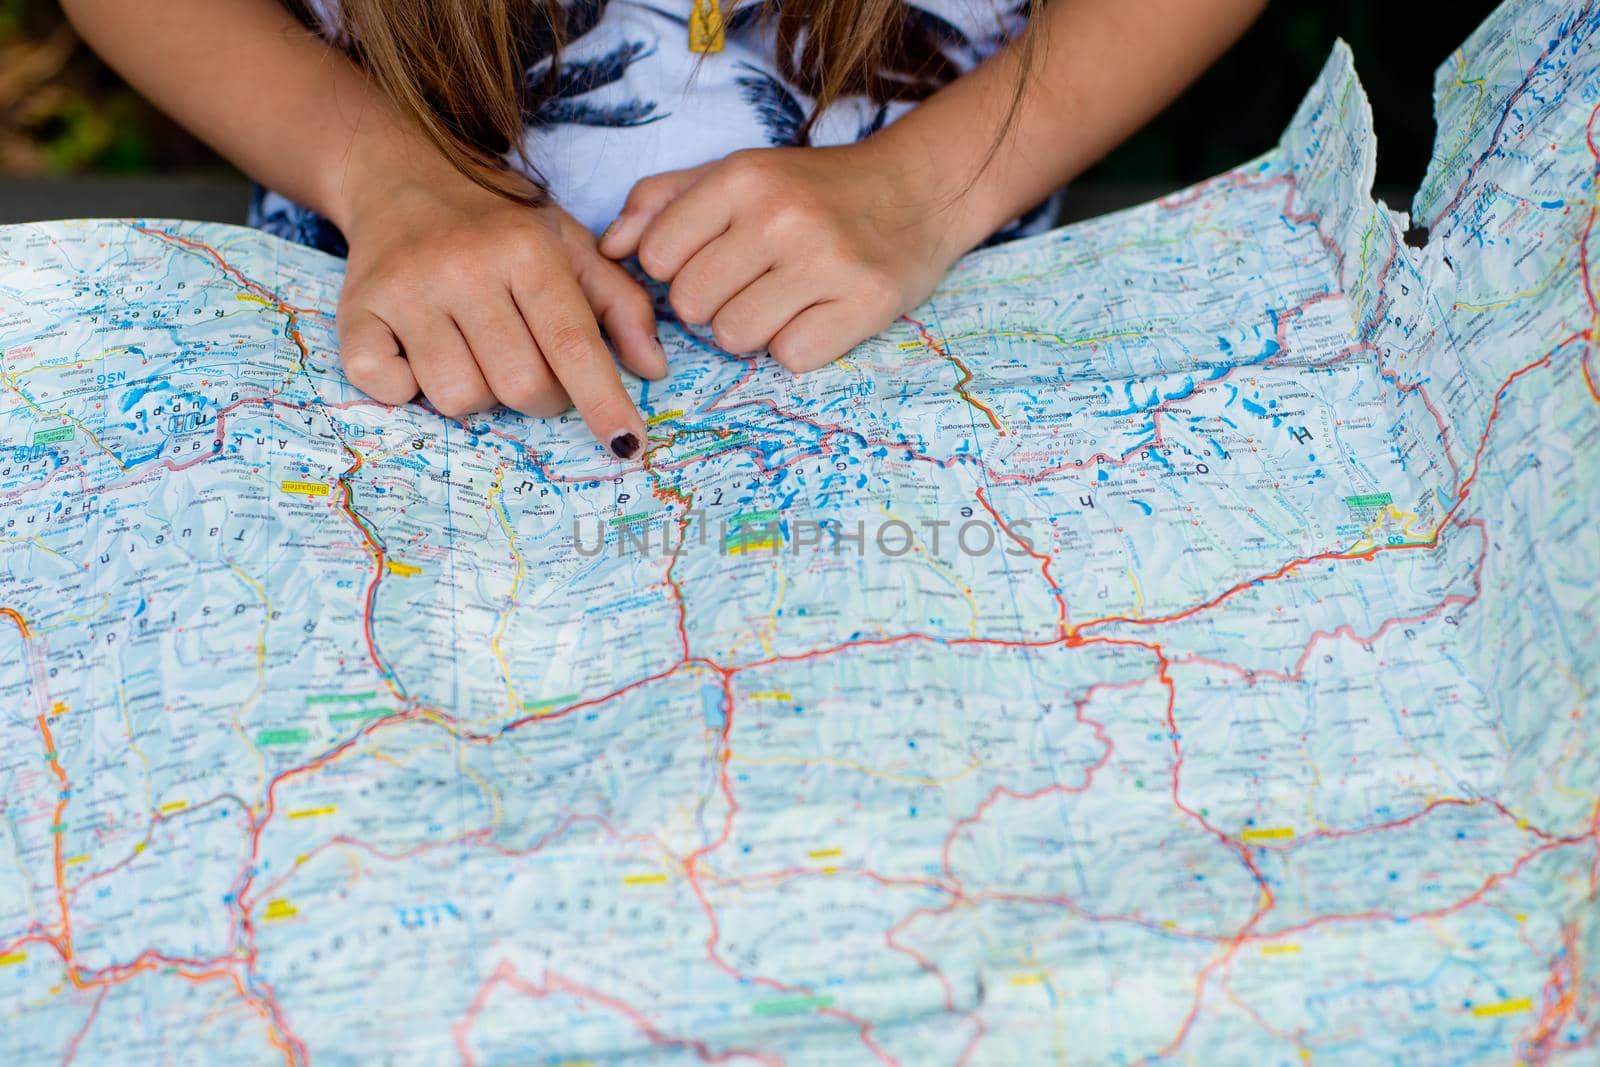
{"x": 63, "y": 114}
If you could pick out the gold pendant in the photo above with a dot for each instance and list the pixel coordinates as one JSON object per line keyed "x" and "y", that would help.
{"x": 705, "y": 27}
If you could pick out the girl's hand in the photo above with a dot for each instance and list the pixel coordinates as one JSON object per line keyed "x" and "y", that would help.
{"x": 474, "y": 299}
{"x": 802, "y": 251}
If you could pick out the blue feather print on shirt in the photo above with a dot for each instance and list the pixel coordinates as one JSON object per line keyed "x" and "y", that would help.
{"x": 776, "y": 108}
{"x": 580, "y": 77}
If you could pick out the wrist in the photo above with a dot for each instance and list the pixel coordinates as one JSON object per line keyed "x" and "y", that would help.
{"x": 383, "y": 170}
{"x": 950, "y": 203}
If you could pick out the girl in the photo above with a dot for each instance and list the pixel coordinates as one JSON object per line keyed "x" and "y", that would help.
{"x": 799, "y": 171}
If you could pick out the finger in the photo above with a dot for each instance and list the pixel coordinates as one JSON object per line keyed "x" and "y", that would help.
{"x": 511, "y": 363}
{"x": 752, "y": 318}
{"x": 821, "y": 334}
{"x": 371, "y": 357}
{"x": 648, "y": 197}
{"x": 698, "y": 216}
{"x": 717, "y": 272}
{"x": 444, "y": 367}
{"x": 627, "y": 314}
{"x": 564, "y": 328}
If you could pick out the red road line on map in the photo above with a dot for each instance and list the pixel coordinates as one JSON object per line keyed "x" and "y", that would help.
{"x": 1050, "y": 790}
{"x": 1044, "y": 563}
{"x": 370, "y": 602}
{"x": 555, "y": 984}
{"x": 1583, "y": 255}
{"x": 668, "y": 495}
{"x": 1367, "y": 554}
{"x": 692, "y": 876}
{"x": 1076, "y": 640}
{"x": 960, "y": 388}
{"x": 71, "y": 1052}
{"x": 21, "y": 623}
{"x": 292, "y": 329}
{"x": 58, "y": 831}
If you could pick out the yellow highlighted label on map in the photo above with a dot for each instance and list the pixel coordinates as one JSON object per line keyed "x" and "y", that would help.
{"x": 74, "y": 861}
{"x": 736, "y": 546}
{"x": 306, "y": 488}
{"x": 173, "y": 805}
{"x": 11, "y": 959}
{"x": 1268, "y": 833}
{"x": 663, "y": 417}
{"x": 404, "y": 570}
{"x": 1280, "y": 950}
{"x": 1028, "y": 979}
{"x": 138, "y": 848}
{"x": 903, "y": 345}
{"x": 823, "y": 853}
{"x": 312, "y": 813}
{"x": 279, "y": 909}
{"x": 644, "y": 879}
{"x": 1505, "y": 1007}
{"x": 772, "y": 694}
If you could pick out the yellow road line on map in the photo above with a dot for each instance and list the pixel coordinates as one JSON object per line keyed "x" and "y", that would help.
{"x": 497, "y": 812}
{"x": 944, "y": 572}
{"x": 237, "y": 718}
{"x": 769, "y": 628}
{"x": 173, "y": 805}
{"x": 313, "y": 813}
{"x": 1504, "y": 1007}
{"x": 133, "y": 746}
{"x": 497, "y": 505}
{"x": 1406, "y": 519}
{"x": 1289, "y": 949}
{"x": 1513, "y": 298}
{"x": 11, "y": 959}
{"x": 10, "y": 381}
{"x": 88, "y": 616}
{"x": 1138, "y": 595}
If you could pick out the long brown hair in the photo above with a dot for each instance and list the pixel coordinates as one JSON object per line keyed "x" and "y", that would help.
{"x": 459, "y": 68}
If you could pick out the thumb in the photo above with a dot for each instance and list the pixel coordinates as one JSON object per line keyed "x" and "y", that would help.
{"x": 648, "y": 198}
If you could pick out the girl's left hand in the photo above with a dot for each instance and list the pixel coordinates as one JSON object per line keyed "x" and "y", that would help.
{"x": 802, "y": 251}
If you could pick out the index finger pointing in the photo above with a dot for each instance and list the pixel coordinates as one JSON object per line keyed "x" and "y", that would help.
{"x": 563, "y": 325}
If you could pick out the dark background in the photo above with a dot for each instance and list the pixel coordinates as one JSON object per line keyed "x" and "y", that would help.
{"x": 75, "y": 141}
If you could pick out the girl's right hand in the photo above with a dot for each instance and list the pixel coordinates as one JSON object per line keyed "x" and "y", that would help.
{"x": 474, "y": 299}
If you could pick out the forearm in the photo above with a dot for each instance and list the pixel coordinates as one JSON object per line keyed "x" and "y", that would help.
{"x": 250, "y": 80}
{"x": 1101, "y": 69}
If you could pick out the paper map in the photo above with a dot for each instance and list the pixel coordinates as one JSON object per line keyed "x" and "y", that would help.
{"x": 1174, "y": 643}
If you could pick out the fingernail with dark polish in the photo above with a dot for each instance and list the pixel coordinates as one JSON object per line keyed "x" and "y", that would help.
{"x": 625, "y": 445}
